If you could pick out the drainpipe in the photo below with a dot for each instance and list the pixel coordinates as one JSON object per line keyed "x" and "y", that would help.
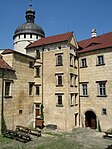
{"x": 2, "y": 101}
{"x": 42, "y": 113}
{"x": 79, "y": 89}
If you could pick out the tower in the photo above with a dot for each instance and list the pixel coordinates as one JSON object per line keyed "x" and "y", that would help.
{"x": 28, "y": 32}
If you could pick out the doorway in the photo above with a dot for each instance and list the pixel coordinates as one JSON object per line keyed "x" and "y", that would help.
{"x": 90, "y": 120}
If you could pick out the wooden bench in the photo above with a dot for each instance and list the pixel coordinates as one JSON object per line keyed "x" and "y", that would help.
{"x": 17, "y": 135}
{"x": 35, "y": 132}
{"x": 23, "y": 129}
{"x": 10, "y": 134}
{"x": 108, "y": 133}
{"x": 23, "y": 137}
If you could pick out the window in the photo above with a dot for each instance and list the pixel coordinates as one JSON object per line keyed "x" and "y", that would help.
{"x": 7, "y": 88}
{"x": 24, "y": 35}
{"x": 38, "y": 71}
{"x": 101, "y": 88}
{"x": 31, "y": 88}
{"x": 72, "y": 98}
{"x": 71, "y": 60}
{"x": 100, "y": 60}
{"x": 59, "y": 79}
{"x": 37, "y": 54}
{"x": 83, "y": 62}
{"x": 59, "y": 99}
{"x": 59, "y": 60}
{"x": 30, "y": 35}
{"x": 84, "y": 89}
{"x": 37, "y": 90}
{"x": 31, "y": 64}
{"x": 73, "y": 80}
{"x": 104, "y": 111}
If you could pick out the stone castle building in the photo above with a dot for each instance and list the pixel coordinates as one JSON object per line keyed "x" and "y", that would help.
{"x": 56, "y": 80}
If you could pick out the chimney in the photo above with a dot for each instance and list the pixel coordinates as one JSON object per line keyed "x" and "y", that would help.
{"x": 93, "y": 32}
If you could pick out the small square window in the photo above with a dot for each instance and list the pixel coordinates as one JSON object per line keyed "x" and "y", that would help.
{"x": 104, "y": 111}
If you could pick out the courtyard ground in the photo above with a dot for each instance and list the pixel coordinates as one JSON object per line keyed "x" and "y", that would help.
{"x": 80, "y": 138}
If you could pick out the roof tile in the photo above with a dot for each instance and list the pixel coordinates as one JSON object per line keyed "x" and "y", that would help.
{"x": 51, "y": 39}
{"x": 95, "y": 43}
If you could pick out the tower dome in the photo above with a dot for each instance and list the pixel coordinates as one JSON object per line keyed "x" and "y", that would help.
{"x": 28, "y": 32}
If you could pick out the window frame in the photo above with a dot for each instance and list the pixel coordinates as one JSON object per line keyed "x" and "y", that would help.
{"x": 84, "y": 89}
{"x": 9, "y": 88}
{"x": 37, "y": 71}
{"x": 59, "y": 79}
{"x": 83, "y": 63}
{"x": 59, "y": 59}
{"x": 37, "y": 92}
{"x": 104, "y": 111}
{"x": 100, "y": 60}
{"x": 58, "y": 103}
{"x": 30, "y": 89}
{"x": 101, "y": 85}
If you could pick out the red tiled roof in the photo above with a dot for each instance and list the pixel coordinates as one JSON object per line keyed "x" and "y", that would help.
{"x": 7, "y": 51}
{"x": 95, "y": 43}
{"x": 4, "y": 65}
{"x": 51, "y": 39}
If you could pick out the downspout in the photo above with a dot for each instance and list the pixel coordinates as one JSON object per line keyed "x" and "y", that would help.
{"x": 2, "y": 104}
{"x": 42, "y": 113}
{"x": 79, "y": 89}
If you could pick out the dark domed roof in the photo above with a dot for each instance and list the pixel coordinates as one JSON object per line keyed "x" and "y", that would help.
{"x": 29, "y": 28}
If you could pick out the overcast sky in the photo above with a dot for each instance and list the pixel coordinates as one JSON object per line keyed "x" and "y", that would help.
{"x": 56, "y": 17}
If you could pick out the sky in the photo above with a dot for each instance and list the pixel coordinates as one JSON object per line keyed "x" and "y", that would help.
{"x": 56, "y": 17}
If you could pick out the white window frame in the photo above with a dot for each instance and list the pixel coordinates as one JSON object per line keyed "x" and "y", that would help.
{"x": 101, "y": 88}
{"x": 100, "y": 60}
{"x": 83, "y": 62}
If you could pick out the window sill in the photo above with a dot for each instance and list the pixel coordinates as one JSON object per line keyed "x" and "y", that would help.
{"x": 84, "y": 96}
{"x": 83, "y": 66}
{"x": 59, "y": 85}
{"x": 71, "y": 65}
{"x": 59, "y": 105}
{"x": 100, "y": 64}
{"x": 102, "y": 96}
{"x": 76, "y": 104}
{"x": 59, "y": 65}
{"x": 37, "y": 76}
{"x": 7, "y": 96}
{"x": 72, "y": 105}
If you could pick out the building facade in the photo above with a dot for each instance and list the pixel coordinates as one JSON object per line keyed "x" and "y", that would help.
{"x": 56, "y": 80}
{"x": 95, "y": 62}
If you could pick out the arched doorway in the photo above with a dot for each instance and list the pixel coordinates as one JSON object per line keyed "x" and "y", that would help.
{"x": 90, "y": 120}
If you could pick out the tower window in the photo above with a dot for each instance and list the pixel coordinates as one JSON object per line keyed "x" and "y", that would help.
{"x": 24, "y": 35}
{"x": 30, "y": 35}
